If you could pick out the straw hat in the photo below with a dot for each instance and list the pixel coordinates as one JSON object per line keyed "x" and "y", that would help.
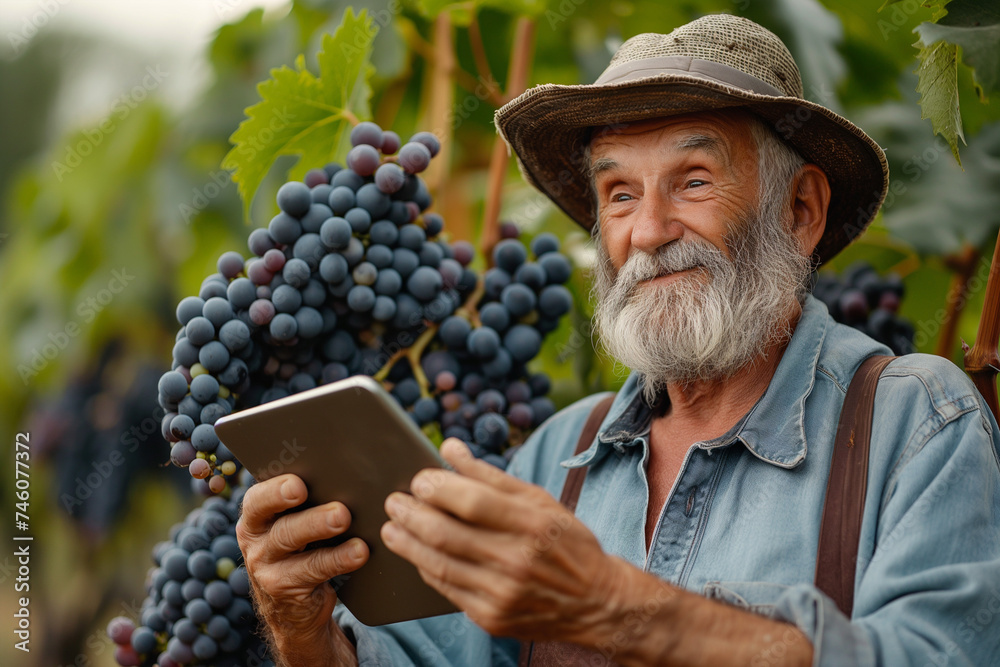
{"x": 718, "y": 61}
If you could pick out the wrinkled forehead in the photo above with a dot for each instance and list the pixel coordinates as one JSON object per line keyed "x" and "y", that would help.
{"x": 722, "y": 132}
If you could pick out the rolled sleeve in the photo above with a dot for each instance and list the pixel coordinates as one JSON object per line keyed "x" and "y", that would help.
{"x": 928, "y": 589}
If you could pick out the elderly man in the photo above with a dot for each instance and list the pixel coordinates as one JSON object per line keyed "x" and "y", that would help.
{"x": 694, "y": 538}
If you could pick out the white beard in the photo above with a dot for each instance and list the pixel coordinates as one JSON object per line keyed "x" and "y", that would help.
{"x": 711, "y": 322}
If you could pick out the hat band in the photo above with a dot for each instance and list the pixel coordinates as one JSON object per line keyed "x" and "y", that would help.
{"x": 686, "y": 65}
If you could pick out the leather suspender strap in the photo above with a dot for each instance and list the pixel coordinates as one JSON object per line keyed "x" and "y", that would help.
{"x": 575, "y": 477}
{"x": 843, "y": 508}
{"x": 547, "y": 652}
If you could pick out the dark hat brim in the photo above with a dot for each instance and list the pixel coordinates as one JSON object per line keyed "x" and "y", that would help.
{"x": 550, "y": 126}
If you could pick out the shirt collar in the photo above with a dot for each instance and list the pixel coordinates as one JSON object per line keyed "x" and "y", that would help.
{"x": 773, "y": 430}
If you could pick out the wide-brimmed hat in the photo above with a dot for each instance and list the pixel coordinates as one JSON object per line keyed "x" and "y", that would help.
{"x": 716, "y": 62}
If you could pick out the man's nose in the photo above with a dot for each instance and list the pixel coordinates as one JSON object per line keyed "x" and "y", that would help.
{"x": 656, "y": 222}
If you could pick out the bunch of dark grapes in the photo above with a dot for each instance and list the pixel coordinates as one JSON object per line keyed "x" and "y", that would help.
{"x": 353, "y": 276}
{"x": 862, "y": 299}
{"x": 198, "y": 610}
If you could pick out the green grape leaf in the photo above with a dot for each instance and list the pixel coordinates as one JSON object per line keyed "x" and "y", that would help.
{"x": 301, "y": 114}
{"x": 973, "y": 25}
{"x": 938, "y": 87}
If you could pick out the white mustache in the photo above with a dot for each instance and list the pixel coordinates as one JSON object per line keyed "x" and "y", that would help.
{"x": 672, "y": 258}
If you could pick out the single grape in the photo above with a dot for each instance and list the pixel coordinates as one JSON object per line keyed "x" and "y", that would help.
{"x": 241, "y": 293}
{"x": 495, "y": 280}
{"x": 464, "y": 252}
{"x": 361, "y": 298}
{"x": 532, "y": 275}
{"x": 189, "y": 308}
{"x": 390, "y": 178}
{"x": 218, "y": 311}
{"x": 523, "y": 342}
{"x": 373, "y": 200}
{"x": 367, "y": 133}
{"x": 173, "y": 385}
{"x": 414, "y": 157}
{"x": 555, "y": 301}
{"x": 347, "y": 178}
{"x": 430, "y": 254}
{"x": 509, "y": 254}
{"x": 120, "y": 630}
{"x": 431, "y": 142}
{"x": 519, "y": 299}
{"x": 294, "y": 199}
{"x": 315, "y": 177}
{"x": 495, "y": 316}
{"x": 433, "y": 224}
{"x": 333, "y": 268}
{"x": 406, "y": 392}
{"x": 454, "y": 331}
{"x": 483, "y": 342}
{"x": 424, "y": 283}
{"x": 230, "y": 264}
{"x": 412, "y": 237}
{"x": 205, "y": 389}
{"x": 262, "y": 311}
{"x": 260, "y": 241}
{"x": 283, "y": 327}
{"x": 405, "y": 261}
{"x": 296, "y": 273}
{"x": 341, "y": 199}
{"x": 258, "y": 274}
{"x": 557, "y": 268}
{"x": 363, "y": 159}
{"x": 390, "y": 142}
{"x": 359, "y": 219}
{"x": 286, "y": 299}
{"x": 213, "y": 356}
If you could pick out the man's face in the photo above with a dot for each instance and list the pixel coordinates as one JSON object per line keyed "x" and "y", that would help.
{"x": 696, "y": 276}
{"x": 684, "y": 178}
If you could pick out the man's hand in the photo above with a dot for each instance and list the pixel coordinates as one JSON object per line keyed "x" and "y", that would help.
{"x": 504, "y": 551}
{"x": 290, "y": 585}
{"x": 521, "y": 565}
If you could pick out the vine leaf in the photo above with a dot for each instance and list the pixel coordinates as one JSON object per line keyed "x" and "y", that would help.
{"x": 973, "y": 25}
{"x": 938, "y": 87}
{"x": 305, "y": 115}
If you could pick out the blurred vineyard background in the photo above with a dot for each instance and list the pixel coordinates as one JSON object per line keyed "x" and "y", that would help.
{"x": 113, "y": 206}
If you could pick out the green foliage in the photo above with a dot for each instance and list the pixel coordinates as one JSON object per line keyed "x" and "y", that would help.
{"x": 938, "y": 88}
{"x": 973, "y": 25}
{"x": 462, "y": 13}
{"x": 301, "y": 114}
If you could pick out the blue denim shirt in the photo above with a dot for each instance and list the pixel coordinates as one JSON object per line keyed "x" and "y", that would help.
{"x": 742, "y": 522}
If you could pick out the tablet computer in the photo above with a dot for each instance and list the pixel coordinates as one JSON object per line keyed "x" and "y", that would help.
{"x": 349, "y": 441}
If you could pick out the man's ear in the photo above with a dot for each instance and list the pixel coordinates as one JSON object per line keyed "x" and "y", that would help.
{"x": 809, "y": 207}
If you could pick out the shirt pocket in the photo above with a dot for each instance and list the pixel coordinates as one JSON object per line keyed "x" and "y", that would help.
{"x": 758, "y": 597}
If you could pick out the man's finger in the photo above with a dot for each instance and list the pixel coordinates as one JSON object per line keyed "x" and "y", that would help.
{"x": 457, "y": 453}
{"x": 442, "y": 532}
{"x": 449, "y": 575}
{"x": 292, "y": 533}
{"x": 265, "y": 499}
{"x": 469, "y": 499}
{"x": 316, "y": 566}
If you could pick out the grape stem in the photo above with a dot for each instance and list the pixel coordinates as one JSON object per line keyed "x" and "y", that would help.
{"x": 414, "y": 352}
{"x": 981, "y": 361}
{"x": 963, "y": 264}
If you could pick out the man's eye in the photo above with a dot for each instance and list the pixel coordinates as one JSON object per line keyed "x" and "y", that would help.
{"x": 694, "y": 183}
{"x": 621, "y": 196}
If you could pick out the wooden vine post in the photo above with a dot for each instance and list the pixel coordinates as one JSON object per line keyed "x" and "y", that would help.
{"x": 981, "y": 360}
